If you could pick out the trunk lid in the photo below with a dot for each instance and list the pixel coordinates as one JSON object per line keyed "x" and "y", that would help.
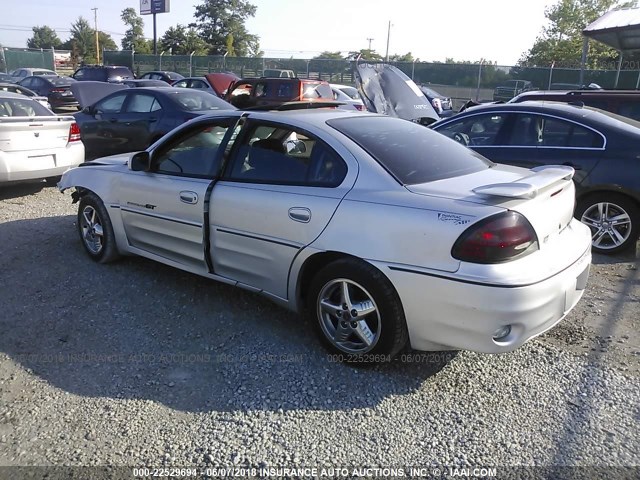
{"x": 20, "y": 134}
{"x": 545, "y": 195}
{"x": 385, "y": 89}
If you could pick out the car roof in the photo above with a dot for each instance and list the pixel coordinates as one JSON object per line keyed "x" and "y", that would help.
{"x": 315, "y": 116}
{"x": 592, "y": 92}
{"x": 4, "y": 94}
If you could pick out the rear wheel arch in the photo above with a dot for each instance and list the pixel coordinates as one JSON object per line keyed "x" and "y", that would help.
{"x": 310, "y": 268}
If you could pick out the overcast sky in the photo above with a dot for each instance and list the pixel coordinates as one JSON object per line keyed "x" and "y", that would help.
{"x": 494, "y": 30}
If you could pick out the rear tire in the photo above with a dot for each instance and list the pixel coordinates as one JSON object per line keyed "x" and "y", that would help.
{"x": 357, "y": 312}
{"x": 614, "y": 220}
{"x": 95, "y": 230}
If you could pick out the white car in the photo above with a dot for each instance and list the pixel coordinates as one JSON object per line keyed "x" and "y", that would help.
{"x": 34, "y": 142}
{"x": 382, "y": 232}
{"x": 349, "y": 102}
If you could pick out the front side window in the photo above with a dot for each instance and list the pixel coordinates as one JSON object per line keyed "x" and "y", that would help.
{"x": 475, "y": 130}
{"x": 195, "y": 153}
{"x": 181, "y": 84}
{"x": 281, "y": 155}
{"x": 142, "y": 103}
{"x": 112, "y": 104}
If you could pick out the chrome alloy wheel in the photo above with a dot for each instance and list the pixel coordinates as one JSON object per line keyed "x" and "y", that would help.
{"x": 349, "y": 317}
{"x": 609, "y": 223}
{"x": 92, "y": 233}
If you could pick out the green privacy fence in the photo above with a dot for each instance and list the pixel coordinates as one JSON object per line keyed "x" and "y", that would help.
{"x": 12, "y": 58}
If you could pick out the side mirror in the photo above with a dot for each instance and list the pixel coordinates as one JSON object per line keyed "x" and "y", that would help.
{"x": 88, "y": 110}
{"x": 140, "y": 162}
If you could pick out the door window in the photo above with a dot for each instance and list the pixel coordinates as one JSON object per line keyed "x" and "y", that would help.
{"x": 476, "y": 130}
{"x": 112, "y": 104}
{"x": 142, "y": 103}
{"x": 542, "y": 131}
{"x": 280, "y": 155}
{"x": 181, "y": 84}
{"x": 195, "y": 152}
{"x": 198, "y": 84}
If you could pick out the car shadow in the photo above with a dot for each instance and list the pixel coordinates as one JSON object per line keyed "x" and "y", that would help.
{"x": 136, "y": 329}
{"x": 23, "y": 189}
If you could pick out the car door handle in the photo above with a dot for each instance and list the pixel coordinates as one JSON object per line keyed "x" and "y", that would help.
{"x": 575, "y": 167}
{"x": 189, "y": 197}
{"x": 300, "y": 214}
{"x": 113, "y": 120}
{"x": 153, "y": 119}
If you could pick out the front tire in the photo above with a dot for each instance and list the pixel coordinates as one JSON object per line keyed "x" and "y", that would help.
{"x": 95, "y": 229}
{"x": 614, "y": 221}
{"x": 357, "y": 312}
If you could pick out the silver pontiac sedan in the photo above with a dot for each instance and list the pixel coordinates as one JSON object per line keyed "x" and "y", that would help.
{"x": 383, "y": 233}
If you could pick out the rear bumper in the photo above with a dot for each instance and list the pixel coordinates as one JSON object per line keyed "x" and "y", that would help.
{"x": 16, "y": 166}
{"x": 445, "y": 313}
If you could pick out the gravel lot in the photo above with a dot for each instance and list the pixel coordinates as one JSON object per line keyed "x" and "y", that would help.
{"x": 135, "y": 363}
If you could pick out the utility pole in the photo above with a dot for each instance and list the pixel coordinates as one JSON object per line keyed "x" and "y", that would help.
{"x": 95, "y": 23}
{"x": 386, "y": 57}
{"x": 370, "y": 40}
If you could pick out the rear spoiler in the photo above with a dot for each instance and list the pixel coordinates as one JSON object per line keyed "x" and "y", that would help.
{"x": 529, "y": 186}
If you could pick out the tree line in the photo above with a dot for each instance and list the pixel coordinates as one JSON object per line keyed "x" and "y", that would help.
{"x": 219, "y": 28}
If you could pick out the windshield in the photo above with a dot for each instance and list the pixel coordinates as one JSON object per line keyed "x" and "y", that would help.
{"x": 192, "y": 100}
{"x": 410, "y": 152}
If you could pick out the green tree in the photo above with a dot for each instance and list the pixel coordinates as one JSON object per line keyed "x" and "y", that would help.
{"x": 366, "y": 54}
{"x": 44, "y": 37}
{"x": 220, "y": 24}
{"x": 561, "y": 40}
{"x": 407, "y": 57}
{"x": 82, "y": 42}
{"x": 180, "y": 40}
{"x": 134, "y": 36}
{"x": 326, "y": 55}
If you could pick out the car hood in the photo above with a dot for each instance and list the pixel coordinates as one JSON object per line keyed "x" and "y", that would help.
{"x": 220, "y": 82}
{"x": 88, "y": 93}
{"x": 385, "y": 89}
{"x": 119, "y": 159}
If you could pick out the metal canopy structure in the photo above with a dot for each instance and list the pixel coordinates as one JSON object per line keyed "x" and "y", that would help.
{"x": 618, "y": 29}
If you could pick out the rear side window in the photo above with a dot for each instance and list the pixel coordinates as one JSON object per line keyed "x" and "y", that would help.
{"x": 411, "y": 153}
{"x": 542, "y": 131}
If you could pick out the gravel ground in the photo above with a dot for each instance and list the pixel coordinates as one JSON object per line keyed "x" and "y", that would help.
{"x": 135, "y": 363}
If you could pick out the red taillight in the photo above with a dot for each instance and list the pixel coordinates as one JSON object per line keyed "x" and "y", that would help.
{"x": 497, "y": 239}
{"x": 58, "y": 90}
{"x": 74, "y": 133}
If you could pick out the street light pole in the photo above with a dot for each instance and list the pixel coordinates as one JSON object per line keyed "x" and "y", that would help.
{"x": 386, "y": 57}
{"x": 370, "y": 40}
{"x": 95, "y": 23}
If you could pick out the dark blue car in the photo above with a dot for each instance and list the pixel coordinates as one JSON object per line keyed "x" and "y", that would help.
{"x": 131, "y": 119}
{"x": 602, "y": 147}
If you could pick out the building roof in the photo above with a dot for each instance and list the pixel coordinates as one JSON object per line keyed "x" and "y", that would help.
{"x": 619, "y": 29}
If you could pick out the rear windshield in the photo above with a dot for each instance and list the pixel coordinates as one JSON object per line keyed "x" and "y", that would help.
{"x": 352, "y": 92}
{"x": 62, "y": 81}
{"x": 410, "y": 152}
{"x": 192, "y": 101}
{"x": 122, "y": 72}
{"x": 317, "y": 90}
{"x": 17, "y": 107}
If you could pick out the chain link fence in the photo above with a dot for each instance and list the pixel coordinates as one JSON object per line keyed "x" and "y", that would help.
{"x": 460, "y": 81}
